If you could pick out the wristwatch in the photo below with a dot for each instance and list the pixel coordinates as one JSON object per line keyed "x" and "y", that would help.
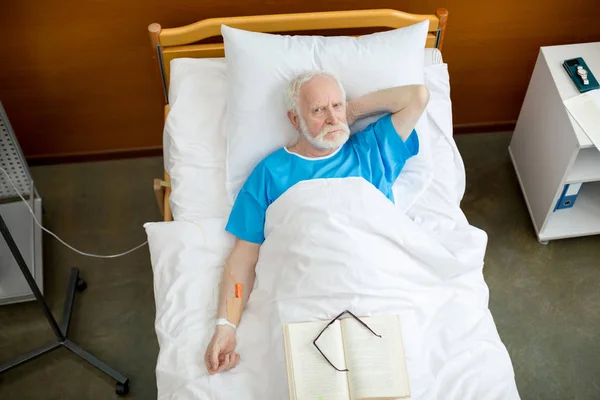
{"x": 223, "y": 321}
{"x": 583, "y": 74}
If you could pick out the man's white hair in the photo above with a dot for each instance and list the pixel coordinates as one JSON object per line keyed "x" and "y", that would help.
{"x": 292, "y": 93}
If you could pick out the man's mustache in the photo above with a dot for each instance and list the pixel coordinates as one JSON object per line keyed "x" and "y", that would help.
{"x": 340, "y": 126}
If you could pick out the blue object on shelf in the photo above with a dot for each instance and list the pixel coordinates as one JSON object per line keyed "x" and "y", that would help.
{"x": 568, "y": 196}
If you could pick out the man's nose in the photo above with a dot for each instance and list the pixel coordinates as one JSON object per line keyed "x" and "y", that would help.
{"x": 332, "y": 118}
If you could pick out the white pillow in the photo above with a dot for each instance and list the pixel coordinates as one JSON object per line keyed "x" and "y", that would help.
{"x": 260, "y": 66}
{"x": 195, "y": 142}
{"x": 194, "y": 139}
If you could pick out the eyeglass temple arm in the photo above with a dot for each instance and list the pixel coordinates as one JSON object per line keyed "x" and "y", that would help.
{"x": 327, "y": 359}
{"x": 361, "y": 322}
{"x": 317, "y": 346}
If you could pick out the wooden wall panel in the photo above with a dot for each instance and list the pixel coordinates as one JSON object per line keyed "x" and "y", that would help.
{"x": 77, "y": 80}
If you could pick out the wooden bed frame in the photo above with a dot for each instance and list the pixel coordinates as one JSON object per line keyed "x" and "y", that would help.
{"x": 171, "y": 43}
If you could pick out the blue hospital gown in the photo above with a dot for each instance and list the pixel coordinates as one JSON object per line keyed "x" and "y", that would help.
{"x": 377, "y": 154}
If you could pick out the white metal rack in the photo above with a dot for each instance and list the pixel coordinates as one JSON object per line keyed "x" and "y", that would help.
{"x": 28, "y": 236}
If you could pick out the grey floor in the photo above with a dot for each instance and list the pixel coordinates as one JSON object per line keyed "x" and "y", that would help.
{"x": 545, "y": 299}
{"x": 97, "y": 207}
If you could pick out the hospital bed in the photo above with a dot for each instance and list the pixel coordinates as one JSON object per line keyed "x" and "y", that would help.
{"x": 452, "y": 346}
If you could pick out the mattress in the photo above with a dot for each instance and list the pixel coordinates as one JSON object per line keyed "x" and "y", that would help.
{"x": 453, "y": 348}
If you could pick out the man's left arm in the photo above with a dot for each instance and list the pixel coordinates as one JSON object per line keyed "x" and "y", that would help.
{"x": 405, "y": 103}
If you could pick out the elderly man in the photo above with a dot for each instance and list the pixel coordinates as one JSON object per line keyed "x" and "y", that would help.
{"x": 317, "y": 108}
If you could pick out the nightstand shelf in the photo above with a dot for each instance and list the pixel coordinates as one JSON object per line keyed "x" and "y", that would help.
{"x": 581, "y": 220}
{"x": 550, "y": 150}
{"x": 586, "y": 167}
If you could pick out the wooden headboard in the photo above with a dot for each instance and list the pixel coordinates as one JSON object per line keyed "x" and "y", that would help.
{"x": 171, "y": 43}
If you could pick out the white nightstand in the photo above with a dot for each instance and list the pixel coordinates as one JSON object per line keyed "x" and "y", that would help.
{"x": 549, "y": 149}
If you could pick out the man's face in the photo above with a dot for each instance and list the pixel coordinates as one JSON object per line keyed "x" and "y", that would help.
{"x": 323, "y": 113}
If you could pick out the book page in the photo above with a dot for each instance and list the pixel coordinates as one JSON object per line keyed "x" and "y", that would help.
{"x": 310, "y": 375}
{"x": 585, "y": 108}
{"x": 377, "y": 365}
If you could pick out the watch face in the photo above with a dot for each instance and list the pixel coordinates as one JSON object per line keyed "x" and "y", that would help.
{"x": 581, "y": 72}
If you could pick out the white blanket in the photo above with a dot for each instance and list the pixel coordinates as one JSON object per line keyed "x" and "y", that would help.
{"x": 433, "y": 280}
{"x": 340, "y": 244}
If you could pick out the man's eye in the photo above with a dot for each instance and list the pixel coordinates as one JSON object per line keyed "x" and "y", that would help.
{"x": 337, "y": 105}
{"x": 319, "y": 109}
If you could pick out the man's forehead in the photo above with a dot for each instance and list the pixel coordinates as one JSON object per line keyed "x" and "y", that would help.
{"x": 321, "y": 88}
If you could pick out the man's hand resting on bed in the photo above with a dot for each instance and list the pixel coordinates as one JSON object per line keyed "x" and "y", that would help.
{"x": 220, "y": 355}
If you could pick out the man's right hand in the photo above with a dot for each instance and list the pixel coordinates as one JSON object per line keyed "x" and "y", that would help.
{"x": 220, "y": 355}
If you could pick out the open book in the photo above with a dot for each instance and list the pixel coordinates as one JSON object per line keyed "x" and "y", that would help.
{"x": 377, "y": 368}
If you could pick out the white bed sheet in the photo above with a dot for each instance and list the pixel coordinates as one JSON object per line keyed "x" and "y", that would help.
{"x": 187, "y": 259}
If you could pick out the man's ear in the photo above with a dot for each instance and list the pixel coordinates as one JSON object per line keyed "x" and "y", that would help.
{"x": 294, "y": 119}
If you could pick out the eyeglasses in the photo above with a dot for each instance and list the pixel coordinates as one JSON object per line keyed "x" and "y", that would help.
{"x": 328, "y": 325}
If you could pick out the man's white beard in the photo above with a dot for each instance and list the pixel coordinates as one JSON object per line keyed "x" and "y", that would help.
{"x": 320, "y": 142}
